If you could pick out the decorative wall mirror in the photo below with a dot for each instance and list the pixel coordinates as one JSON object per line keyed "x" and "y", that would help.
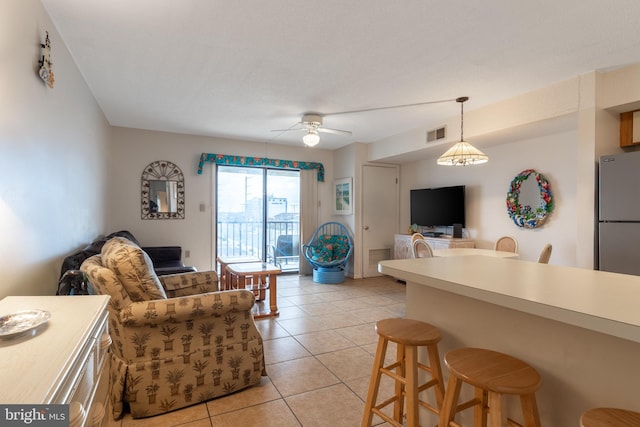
{"x": 162, "y": 191}
{"x": 529, "y": 201}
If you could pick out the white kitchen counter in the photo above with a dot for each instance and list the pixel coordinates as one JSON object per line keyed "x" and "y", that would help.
{"x": 580, "y": 328}
{"x": 596, "y": 300}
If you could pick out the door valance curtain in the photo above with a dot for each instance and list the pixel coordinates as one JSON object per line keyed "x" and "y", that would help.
{"x": 226, "y": 159}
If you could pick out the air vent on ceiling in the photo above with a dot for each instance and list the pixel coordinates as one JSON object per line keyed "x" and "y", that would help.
{"x": 437, "y": 134}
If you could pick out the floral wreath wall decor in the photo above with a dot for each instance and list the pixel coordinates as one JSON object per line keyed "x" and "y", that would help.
{"x": 526, "y": 216}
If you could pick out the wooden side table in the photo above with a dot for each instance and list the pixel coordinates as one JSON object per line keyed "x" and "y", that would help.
{"x": 263, "y": 276}
{"x": 226, "y": 260}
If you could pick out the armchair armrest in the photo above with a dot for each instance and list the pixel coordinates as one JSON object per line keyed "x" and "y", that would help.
{"x": 185, "y": 284}
{"x": 145, "y": 328}
{"x": 184, "y": 309}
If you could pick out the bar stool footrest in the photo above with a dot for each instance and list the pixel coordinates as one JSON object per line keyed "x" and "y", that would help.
{"x": 468, "y": 404}
{"x": 385, "y": 417}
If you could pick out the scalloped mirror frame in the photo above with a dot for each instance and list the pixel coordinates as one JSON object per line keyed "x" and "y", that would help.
{"x": 523, "y": 216}
{"x": 162, "y": 170}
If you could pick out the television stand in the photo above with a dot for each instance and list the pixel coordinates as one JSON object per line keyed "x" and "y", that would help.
{"x": 433, "y": 234}
{"x": 402, "y": 244}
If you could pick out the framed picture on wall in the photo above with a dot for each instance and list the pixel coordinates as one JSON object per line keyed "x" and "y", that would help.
{"x": 343, "y": 196}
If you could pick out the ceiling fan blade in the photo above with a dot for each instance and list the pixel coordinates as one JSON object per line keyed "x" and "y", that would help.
{"x": 288, "y": 130}
{"x": 334, "y": 131}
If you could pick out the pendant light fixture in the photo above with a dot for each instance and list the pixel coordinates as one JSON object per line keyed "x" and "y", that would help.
{"x": 462, "y": 153}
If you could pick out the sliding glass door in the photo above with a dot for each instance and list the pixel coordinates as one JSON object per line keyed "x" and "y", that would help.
{"x": 258, "y": 214}
{"x": 283, "y": 218}
{"x": 240, "y": 212}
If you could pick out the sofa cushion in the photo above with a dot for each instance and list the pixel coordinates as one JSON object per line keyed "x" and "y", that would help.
{"x": 134, "y": 269}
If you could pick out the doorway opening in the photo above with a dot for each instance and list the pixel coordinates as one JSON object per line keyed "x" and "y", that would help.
{"x": 258, "y": 215}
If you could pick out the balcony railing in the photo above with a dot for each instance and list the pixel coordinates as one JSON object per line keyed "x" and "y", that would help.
{"x": 247, "y": 238}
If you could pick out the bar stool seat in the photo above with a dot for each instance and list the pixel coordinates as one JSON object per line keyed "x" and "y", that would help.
{"x": 408, "y": 334}
{"x": 493, "y": 375}
{"x": 610, "y": 417}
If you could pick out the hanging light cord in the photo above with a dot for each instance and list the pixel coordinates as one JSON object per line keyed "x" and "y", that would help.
{"x": 462, "y": 100}
{"x": 461, "y": 121}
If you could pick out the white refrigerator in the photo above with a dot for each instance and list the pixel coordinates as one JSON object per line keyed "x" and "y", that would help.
{"x": 619, "y": 213}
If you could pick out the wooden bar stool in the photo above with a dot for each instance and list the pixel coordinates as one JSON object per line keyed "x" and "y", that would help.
{"x": 610, "y": 417}
{"x": 408, "y": 334}
{"x": 494, "y": 376}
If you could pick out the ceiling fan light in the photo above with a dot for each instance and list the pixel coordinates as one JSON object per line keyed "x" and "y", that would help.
{"x": 312, "y": 138}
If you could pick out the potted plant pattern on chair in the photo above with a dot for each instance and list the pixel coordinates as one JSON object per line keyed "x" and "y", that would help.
{"x": 199, "y": 366}
{"x": 152, "y": 392}
{"x": 173, "y": 378}
{"x": 139, "y": 341}
{"x": 167, "y": 331}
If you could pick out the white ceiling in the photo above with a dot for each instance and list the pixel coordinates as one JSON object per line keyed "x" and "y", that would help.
{"x": 239, "y": 69}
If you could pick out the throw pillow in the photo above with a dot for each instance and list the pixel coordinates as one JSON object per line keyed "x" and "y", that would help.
{"x": 134, "y": 269}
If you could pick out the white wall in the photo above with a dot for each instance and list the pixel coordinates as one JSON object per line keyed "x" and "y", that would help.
{"x": 53, "y": 146}
{"x": 486, "y": 191}
{"x": 134, "y": 149}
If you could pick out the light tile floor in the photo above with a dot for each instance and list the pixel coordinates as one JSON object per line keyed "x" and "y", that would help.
{"x": 319, "y": 354}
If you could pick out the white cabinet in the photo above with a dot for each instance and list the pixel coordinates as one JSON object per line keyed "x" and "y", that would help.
{"x": 402, "y": 244}
{"x": 64, "y": 361}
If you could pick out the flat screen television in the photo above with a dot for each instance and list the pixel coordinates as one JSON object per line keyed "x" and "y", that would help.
{"x": 444, "y": 206}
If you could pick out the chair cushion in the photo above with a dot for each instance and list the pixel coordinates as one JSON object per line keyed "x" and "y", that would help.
{"x": 133, "y": 267}
{"x": 329, "y": 248}
{"x": 319, "y": 252}
{"x": 340, "y": 246}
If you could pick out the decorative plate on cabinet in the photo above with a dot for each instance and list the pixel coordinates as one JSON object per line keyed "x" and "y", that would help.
{"x": 22, "y": 321}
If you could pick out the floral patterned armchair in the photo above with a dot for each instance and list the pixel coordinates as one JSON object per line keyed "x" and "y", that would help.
{"x": 177, "y": 340}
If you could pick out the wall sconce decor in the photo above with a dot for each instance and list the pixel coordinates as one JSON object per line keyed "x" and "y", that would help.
{"x": 46, "y": 72}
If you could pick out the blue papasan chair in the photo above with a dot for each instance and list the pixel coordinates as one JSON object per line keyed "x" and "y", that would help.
{"x": 328, "y": 252}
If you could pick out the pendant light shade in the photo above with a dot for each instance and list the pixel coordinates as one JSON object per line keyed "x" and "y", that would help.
{"x": 312, "y": 138}
{"x": 462, "y": 153}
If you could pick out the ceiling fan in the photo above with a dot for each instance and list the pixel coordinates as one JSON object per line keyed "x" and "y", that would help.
{"x": 312, "y": 124}
{"x": 462, "y": 153}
